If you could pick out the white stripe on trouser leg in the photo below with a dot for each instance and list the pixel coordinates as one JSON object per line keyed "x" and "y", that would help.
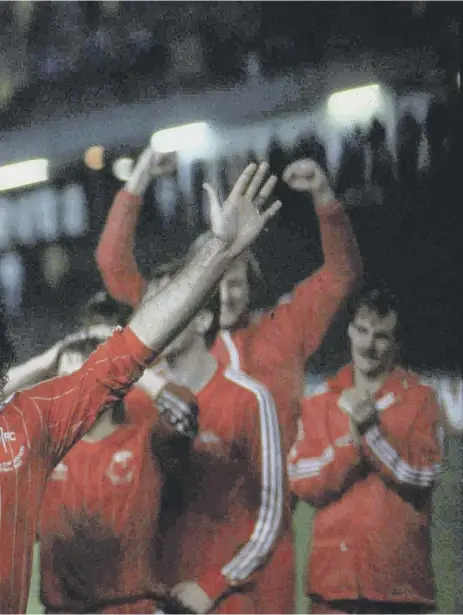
{"x": 271, "y": 509}
{"x": 420, "y": 477}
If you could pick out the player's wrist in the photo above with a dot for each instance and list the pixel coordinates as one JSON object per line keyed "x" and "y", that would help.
{"x": 216, "y": 253}
{"x": 324, "y": 198}
{"x": 142, "y": 174}
{"x": 137, "y": 184}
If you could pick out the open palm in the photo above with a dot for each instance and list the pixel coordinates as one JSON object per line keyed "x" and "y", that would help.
{"x": 241, "y": 218}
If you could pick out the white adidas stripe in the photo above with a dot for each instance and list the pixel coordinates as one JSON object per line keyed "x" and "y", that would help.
{"x": 420, "y": 477}
{"x": 266, "y": 529}
{"x": 307, "y": 467}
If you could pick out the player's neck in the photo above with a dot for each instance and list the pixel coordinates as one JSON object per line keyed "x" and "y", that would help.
{"x": 243, "y": 321}
{"x": 103, "y": 427}
{"x": 371, "y": 384}
{"x": 194, "y": 368}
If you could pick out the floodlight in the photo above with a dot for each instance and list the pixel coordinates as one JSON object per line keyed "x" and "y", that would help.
{"x": 178, "y": 138}
{"x": 357, "y": 104}
{"x": 22, "y": 174}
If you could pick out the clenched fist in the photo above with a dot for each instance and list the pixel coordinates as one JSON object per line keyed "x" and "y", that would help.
{"x": 307, "y": 176}
{"x": 148, "y": 166}
{"x": 177, "y": 405}
{"x": 360, "y": 407}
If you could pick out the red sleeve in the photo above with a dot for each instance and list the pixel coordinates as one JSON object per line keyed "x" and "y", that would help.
{"x": 70, "y": 405}
{"x": 411, "y": 459}
{"x": 299, "y": 325}
{"x": 318, "y": 467}
{"x": 114, "y": 254}
{"x": 261, "y": 444}
{"x": 139, "y": 407}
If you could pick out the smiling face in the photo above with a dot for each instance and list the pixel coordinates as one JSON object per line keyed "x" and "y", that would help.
{"x": 373, "y": 341}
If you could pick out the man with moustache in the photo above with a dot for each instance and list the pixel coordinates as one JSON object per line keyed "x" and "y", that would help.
{"x": 368, "y": 457}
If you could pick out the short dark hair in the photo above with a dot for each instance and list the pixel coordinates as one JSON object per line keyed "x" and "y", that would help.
{"x": 101, "y": 307}
{"x": 7, "y": 353}
{"x": 379, "y": 299}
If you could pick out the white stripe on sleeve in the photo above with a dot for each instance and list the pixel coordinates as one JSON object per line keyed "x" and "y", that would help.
{"x": 267, "y": 526}
{"x": 404, "y": 472}
{"x": 308, "y": 467}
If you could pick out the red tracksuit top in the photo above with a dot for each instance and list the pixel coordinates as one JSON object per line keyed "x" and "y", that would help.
{"x": 371, "y": 531}
{"x": 37, "y": 428}
{"x": 99, "y": 518}
{"x": 234, "y": 488}
{"x": 275, "y": 348}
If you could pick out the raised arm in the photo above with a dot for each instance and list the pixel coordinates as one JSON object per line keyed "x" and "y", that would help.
{"x": 114, "y": 254}
{"x": 31, "y": 372}
{"x": 43, "y": 366}
{"x": 69, "y": 406}
{"x": 299, "y": 324}
{"x": 234, "y": 228}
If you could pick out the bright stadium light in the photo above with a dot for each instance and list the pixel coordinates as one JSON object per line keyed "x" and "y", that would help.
{"x": 122, "y": 168}
{"x": 357, "y": 104}
{"x": 186, "y": 137}
{"x": 22, "y": 174}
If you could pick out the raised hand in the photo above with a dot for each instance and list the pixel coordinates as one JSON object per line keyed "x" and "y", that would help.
{"x": 306, "y": 175}
{"x": 240, "y": 219}
{"x": 150, "y": 164}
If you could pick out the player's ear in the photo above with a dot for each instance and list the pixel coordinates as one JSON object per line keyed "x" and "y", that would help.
{"x": 350, "y": 331}
{"x": 204, "y": 321}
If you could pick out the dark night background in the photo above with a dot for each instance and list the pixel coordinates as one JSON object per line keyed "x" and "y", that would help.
{"x": 82, "y": 56}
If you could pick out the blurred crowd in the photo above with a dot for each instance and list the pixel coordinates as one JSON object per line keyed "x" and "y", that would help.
{"x": 401, "y": 204}
{"x": 159, "y": 46}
